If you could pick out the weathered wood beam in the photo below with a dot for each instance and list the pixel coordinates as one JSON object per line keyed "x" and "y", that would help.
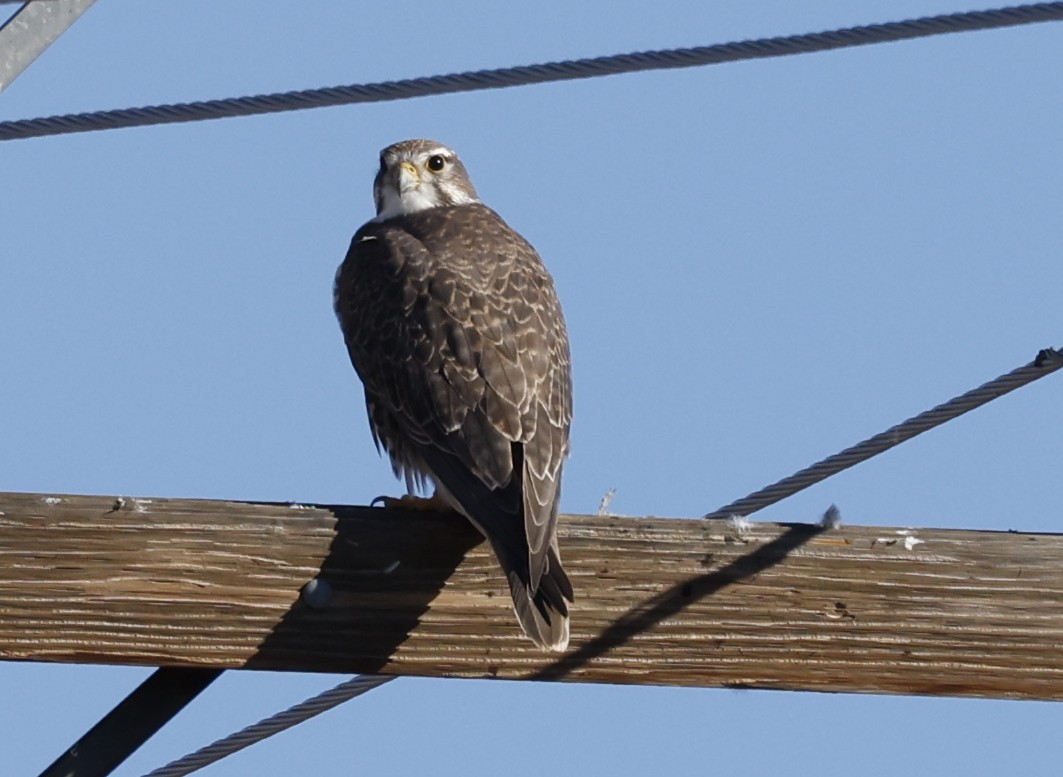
{"x": 177, "y": 582}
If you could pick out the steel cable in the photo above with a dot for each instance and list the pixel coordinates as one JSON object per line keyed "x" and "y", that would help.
{"x": 534, "y": 74}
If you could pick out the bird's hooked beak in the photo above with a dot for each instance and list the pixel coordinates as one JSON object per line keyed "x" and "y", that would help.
{"x": 407, "y": 176}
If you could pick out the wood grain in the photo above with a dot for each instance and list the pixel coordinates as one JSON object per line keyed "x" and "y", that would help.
{"x": 180, "y": 582}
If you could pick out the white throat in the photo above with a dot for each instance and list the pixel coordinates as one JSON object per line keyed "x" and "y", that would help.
{"x": 415, "y": 198}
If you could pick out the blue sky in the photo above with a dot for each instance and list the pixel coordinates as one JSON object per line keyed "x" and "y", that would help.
{"x": 761, "y": 263}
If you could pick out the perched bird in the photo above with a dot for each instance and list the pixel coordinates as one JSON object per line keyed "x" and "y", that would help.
{"x": 452, "y": 323}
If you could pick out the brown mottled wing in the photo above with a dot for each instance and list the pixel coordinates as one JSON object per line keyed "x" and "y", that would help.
{"x": 453, "y": 324}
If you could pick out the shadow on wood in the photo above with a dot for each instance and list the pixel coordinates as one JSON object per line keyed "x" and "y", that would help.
{"x": 362, "y": 606}
{"x": 669, "y": 603}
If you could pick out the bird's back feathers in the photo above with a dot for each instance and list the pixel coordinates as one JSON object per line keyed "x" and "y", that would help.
{"x": 453, "y": 324}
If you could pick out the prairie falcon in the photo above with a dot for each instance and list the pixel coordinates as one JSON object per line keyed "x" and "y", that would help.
{"x": 452, "y": 323}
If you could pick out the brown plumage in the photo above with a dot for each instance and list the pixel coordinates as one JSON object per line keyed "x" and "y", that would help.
{"x": 452, "y": 322}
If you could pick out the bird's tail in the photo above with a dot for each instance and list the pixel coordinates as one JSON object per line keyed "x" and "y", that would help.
{"x": 542, "y": 613}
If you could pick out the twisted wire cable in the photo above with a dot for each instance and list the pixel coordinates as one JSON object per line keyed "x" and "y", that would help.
{"x": 270, "y": 726}
{"x": 535, "y": 74}
{"x": 1048, "y": 361}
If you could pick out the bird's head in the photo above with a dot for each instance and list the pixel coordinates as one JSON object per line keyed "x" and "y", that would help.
{"x": 416, "y": 175}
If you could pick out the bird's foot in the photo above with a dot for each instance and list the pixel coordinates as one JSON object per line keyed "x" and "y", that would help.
{"x": 433, "y": 504}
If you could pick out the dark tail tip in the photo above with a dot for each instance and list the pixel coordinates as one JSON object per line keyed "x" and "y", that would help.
{"x": 543, "y": 611}
{"x": 542, "y": 618}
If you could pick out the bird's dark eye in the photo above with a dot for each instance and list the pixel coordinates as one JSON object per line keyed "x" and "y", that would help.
{"x": 436, "y": 162}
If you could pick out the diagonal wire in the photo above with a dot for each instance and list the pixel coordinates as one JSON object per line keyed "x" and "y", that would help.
{"x": 535, "y": 74}
{"x": 274, "y": 724}
{"x": 1048, "y": 361}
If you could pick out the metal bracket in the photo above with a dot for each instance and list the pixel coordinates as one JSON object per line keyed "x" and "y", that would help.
{"x": 129, "y": 725}
{"x": 31, "y": 30}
